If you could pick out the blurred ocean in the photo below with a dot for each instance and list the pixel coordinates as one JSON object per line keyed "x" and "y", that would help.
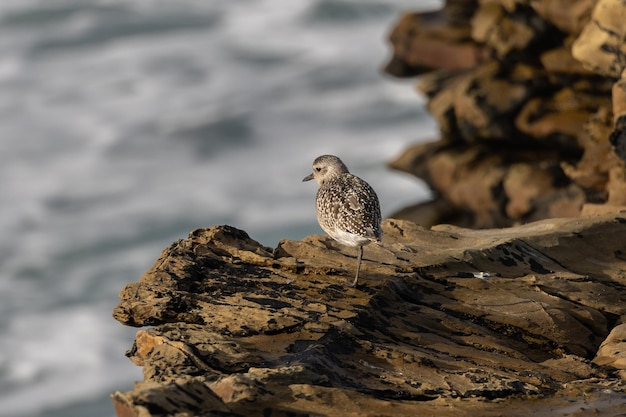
{"x": 125, "y": 124}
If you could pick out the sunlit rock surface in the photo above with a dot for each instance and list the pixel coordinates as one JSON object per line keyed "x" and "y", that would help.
{"x": 444, "y": 320}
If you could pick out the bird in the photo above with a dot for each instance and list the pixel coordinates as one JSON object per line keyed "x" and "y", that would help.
{"x": 347, "y": 207}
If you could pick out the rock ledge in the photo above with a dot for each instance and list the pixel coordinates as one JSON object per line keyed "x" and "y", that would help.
{"x": 445, "y": 320}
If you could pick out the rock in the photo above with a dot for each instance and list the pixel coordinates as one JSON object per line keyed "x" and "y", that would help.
{"x": 493, "y": 188}
{"x": 560, "y": 118}
{"x": 567, "y": 15}
{"x": 559, "y": 61}
{"x": 602, "y": 43}
{"x": 591, "y": 171}
{"x": 618, "y": 138}
{"x": 446, "y": 319}
{"x": 423, "y": 41}
{"x": 546, "y": 97}
{"x": 508, "y": 29}
{"x": 612, "y": 350}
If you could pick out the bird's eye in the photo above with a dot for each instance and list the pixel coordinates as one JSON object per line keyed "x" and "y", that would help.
{"x": 318, "y": 169}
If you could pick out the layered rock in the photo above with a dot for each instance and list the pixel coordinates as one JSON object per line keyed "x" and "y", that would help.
{"x": 444, "y": 320}
{"x": 530, "y": 97}
{"x": 447, "y": 321}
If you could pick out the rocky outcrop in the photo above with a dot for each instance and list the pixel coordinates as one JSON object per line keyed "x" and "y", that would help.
{"x": 530, "y": 98}
{"x": 445, "y": 321}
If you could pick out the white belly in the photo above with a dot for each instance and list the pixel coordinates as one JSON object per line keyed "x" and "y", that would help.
{"x": 347, "y": 238}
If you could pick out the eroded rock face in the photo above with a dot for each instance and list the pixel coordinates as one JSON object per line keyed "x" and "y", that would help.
{"x": 537, "y": 87}
{"x": 443, "y": 320}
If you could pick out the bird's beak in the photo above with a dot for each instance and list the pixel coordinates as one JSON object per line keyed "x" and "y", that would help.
{"x": 308, "y": 178}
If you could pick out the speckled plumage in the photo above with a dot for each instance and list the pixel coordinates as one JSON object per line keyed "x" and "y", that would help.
{"x": 347, "y": 207}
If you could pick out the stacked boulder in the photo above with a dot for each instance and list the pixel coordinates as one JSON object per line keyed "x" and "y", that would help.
{"x": 530, "y": 98}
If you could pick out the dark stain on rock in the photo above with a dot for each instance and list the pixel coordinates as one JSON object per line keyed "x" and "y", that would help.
{"x": 537, "y": 267}
{"x": 269, "y": 302}
{"x": 507, "y": 261}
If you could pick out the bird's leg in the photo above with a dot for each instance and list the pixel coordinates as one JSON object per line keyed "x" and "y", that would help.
{"x": 358, "y": 266}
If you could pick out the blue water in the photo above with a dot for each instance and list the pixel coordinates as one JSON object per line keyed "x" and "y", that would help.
{"x": 125, "y": 124}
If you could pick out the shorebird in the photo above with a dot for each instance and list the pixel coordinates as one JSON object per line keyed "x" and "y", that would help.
{"x": 347, "y": 207}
